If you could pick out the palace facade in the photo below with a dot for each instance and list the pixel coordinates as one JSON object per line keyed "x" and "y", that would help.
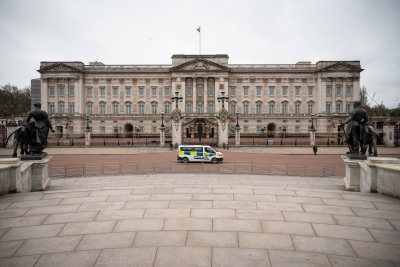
{"x": 270, "y": 98}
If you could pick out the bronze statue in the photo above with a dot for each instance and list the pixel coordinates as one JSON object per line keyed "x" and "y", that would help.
{"x": 39, "y": 129}
{"x": 359, "y": 132}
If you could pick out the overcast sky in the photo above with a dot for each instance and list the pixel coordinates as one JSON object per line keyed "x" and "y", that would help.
{"x": 150, "y": 32}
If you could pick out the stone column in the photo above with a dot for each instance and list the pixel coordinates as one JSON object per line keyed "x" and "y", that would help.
{"x": 87, "y": 138}
{"x": 237, "y": 136}
{"x": 176, "y": 127}
{"x": 388, "y": 135}
{"x": 194, "y": 92}
{"x": 162, "y": 136}
{"x": 205, "y": 96}
{"x": 312, "y": 138}
{"x": 223, "y": 127}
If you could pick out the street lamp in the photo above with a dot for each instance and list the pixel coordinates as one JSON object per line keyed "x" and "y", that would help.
{"x": 87, "y": 122}
{"x": 177, "y": 99}
{"x": 312, "y": 123}
{"x": 222, "y": 99}
{"x": 162, "y": 119}
{"x": 237, "y": 119}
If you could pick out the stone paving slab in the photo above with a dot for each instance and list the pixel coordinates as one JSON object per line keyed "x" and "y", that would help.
{"x": 195, "y": 220}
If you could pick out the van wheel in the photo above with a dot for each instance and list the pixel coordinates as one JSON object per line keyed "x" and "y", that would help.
{"x": 214, "y": 160}
{"x": 185, "y": 160}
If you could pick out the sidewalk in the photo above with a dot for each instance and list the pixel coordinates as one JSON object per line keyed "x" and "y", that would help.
{"x": 264, "y": 149}
{"x": 199, "y": 220}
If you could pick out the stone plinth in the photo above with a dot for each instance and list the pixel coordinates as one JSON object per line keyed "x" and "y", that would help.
{"x": 388, "y": 135}
{"x": 10, "y": 172}
{"x": 375, "y": 175}
{"x": 162, "y": 136}
{"x": 237, "y": 136}
{"x": 40, "y": 174}
{"x": 87, "y": 139}
{"x": 352, "y": 176}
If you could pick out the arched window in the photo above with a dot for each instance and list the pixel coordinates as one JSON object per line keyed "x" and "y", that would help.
{"x": 245, "y": 108}
{"x": 258, "y": 108}
{"x": 284, "y": 106}
{"x": 297, "y": 107}
{"x": 128, "y": 108}
{"x": 200, "y": 108}
{"x": 271, "y": 107}
{"x": 115, "y": 108}
{"x": 210, "y": 108}
{"x": 141, "y": 108}
{"x": 154, "y": 108}
{"x": 90, "y": 108}
{"x": 189, "y": 108}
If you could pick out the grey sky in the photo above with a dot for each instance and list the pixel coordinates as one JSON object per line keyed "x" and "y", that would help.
{"x": 149, "y": 32}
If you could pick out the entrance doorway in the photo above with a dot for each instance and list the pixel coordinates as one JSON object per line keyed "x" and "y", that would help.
{"x": 271, "y": 130}
{"x": 128, "y": 129}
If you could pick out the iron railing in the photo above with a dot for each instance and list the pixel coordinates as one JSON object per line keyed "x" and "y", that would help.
{"x": 90, "y": 169}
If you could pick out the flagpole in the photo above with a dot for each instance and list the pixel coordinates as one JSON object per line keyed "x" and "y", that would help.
{"x": 199, "y": 30}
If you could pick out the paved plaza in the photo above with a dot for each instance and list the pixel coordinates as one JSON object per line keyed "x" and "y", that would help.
{"x": 199, "y": 220}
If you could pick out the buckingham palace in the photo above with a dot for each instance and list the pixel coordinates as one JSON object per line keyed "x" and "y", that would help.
{"x": 268, "y": 99}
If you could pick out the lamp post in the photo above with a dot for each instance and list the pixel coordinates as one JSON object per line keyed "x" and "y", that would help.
{"x": 176, "y": 99}
{"x": 87, "y": 134}
{"x": 237, "y": 130}
{"x": 222, "y": 99}
{"x": 312, "y": 131}
{"x": 162, "y": 131}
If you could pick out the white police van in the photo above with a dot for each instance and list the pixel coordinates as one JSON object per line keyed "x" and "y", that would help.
{"x": 199, "y": 153}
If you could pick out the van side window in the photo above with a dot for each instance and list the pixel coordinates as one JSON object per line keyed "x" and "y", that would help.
{"x": 208, "y": 150}
{"x": 198, "y": 149}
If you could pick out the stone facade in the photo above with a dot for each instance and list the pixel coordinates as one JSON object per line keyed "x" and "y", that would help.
{"x": 130, "y": 98}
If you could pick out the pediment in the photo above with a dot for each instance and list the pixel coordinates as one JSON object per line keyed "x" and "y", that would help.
{"x": 200, "y": 64}
{"x": 59, "y": 67}
{"x": 341, "y": 67}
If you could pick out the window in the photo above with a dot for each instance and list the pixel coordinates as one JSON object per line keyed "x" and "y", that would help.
{"x": 61, "y": 91}
{"x": 200, "y": 91}
{"x": 115, "y": 91}
{"x": 141, "y": 128}
{"x": 297, "y": 129}
{"x": 271, "y": 107}
{"x": 210, "y": 91}
{"x": 128, "y": 109}
{"x": 245, "y": 128}
{"x": 284, "y": 108}
{"x": 348, "y": 91}
{"x": 210, "y": 108}
{"x": 258, "y": 128}
{"x": 328, "y": 108}
{"x": 115, "y": 108}
{"x": 52, "y": 109}
{"x": 232, "y": 91}
{"x": 141, "y": 109}
{"x": 90, "y": 109}
{"x": 246, "y": 91}
{"x": 297, "y": 90}
{"x": 284, "y": 90}
{"x": 338, "y": 91}
{"x": 338, "y": 108}
{"x": 310, "y": 91}
{"x": 128, "y": 91}
{"x": 141, "y": 91}
{"x": 167, "y": 91}
{"x": 272, "y": 90}
{"x": 102, "y": 91}
{"x": 347, "y": 108}
{"x": 258, "y": 108}
{"x": 258, "y": 90}
{"x": 310, "y": 108}
{"x": 71, "y": 91}
{"x": 61, "y": 108}
{"x": 167, "y": 109}
{"x": 153, "y": 91}
{"x": 154, "y": 108}
{"x": 297, "y": 108}
{"x": 328, "y": 90}
{"x": 188, "y": 91}
{"x": 71, "y": 109}
{"x": 51, "y": 91}
{"x": 232, "y": 108}
{"x": 89, "y": 91}
{"x": 245, "y": 108}
{"x": 189, "y": 108}
{"x": 199, "y": 108}
{"x": 102, "y": 108}
{"x": 103, "y": 129}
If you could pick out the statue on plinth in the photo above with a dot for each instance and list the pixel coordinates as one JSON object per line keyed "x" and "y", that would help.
{"x": 32, "y": 134}
{"x": 359, "y": 133}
